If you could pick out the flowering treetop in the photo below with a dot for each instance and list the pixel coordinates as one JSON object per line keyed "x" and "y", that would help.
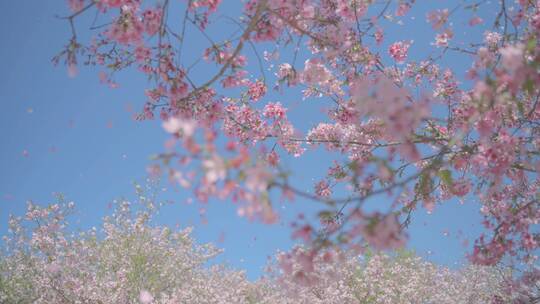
{"x": 131, "y": 260}
{"x": 396, "y": 128}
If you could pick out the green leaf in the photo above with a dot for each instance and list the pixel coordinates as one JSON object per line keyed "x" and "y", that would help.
{"x": 446, "y": 177}
{"x": 343, "y": 239}
{"x": 520, "y": 107}
{"x": 425, "y": 185}
{"x": 531, "y": 44}
{"x": 529, "y": 86}
{"x": 326, "y": 215}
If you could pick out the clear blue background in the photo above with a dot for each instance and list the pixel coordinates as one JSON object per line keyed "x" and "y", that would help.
{"x": 81, "y": 141}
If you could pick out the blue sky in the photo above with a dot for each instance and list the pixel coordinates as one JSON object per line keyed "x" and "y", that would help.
{"x": 77, "y": 137}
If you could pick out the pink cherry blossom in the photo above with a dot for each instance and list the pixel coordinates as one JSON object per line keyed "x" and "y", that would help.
{"x": 512, "y": 57}
{"x": 256, "y": 90}
{"x": 438, "y": 18}
{"x": 398, "y": 51}
{"x": 151, "y": 21}
{"x": 406, "y": 131}
{"x": 76, "y": 5}
{"x": 146, "y": 297}
{"x": 176, "y": 125}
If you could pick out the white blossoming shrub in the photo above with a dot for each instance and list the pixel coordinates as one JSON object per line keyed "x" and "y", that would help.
{"x": 132, "y": 261}
{"x": 46, "y": 263}
{"x": 378, "y": 278}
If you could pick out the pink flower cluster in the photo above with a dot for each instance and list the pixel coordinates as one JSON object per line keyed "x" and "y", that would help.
{"x": 398, "y": 51}
{"x": 406, "y": 134}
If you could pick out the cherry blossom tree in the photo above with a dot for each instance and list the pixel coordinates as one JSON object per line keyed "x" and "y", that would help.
{"x": 378, "y": 278}
{"x": 132, "y": 260}
{"x": 411, "y": 131}
{"x": 128, "y": 260}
